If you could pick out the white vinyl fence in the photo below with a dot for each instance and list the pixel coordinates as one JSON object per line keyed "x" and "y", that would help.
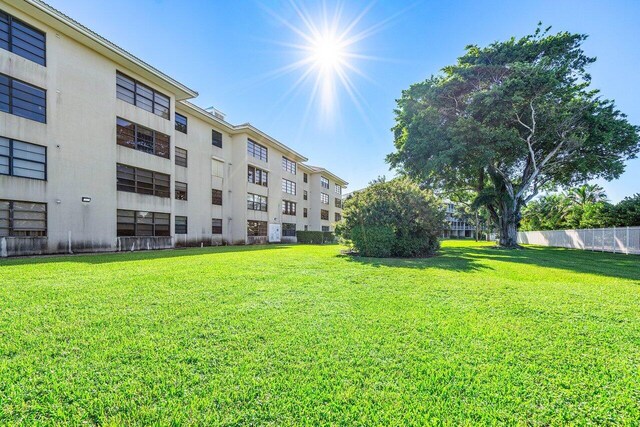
{"x": 625, "y": 240}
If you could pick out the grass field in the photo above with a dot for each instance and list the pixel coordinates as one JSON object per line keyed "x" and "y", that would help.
{"x": 283, "y": 335}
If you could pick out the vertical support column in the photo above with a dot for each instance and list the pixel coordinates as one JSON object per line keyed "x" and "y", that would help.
{"x": 614, "y": 239}
{"x": 603, "y": 240}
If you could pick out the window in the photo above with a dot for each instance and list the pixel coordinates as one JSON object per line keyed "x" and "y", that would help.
{"x": 22, "y": 159}
{"x": 304, "y": 212}
{"x": 22, "y": 99}
{"x": 306, "y": 228}
{"x": 324, "y": 214}
{"x": 325, "y": 228}
{"x": 216, "y": 197}
{"x": 23, "y": 219}
{"x": 181, "y": 191}
{"x": 257, "y": 176}
{"x": 181, "y": 157}
{"x": 324, "y": 182}
{"x": 142, "y": 181}
{"x": 22, "y": 39}
{"x": 181, "y": 123}
{"x": 142, "y": 96}
{"x": 256, "y": 150}
{"x": 288, "y": 230}
{"x": 305, "y": 177}
{"x": 144, "y": 224}
{"x": 324, "y": 198}
{"x": 181, "y": 225}
{"x": 338, "y": 202}
{"x": 338, "y": 217}
{"x": 337, "y": 189}
{"x": 305, "y": 195}
{"x": 288, "y": 207}
{"x": 256, "y": 202}
{"x": 141, "y": 138}
{"x": 288, "y": 165}
{"x": 256, "y": 228}
{"x": 216, "y": 138}
{"x": 288, "y": 187}
{"x": 216, "y": 226}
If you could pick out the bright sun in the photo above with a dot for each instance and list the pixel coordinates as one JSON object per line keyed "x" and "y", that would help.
{"x": 327, "y": 52}
{"x": 326, "y": 46}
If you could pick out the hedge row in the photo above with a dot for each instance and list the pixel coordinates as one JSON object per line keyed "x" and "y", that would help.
{"x": 315, "y": 237}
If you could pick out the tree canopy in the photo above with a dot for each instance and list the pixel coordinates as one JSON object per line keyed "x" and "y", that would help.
{"x": 508, "y": 120}
{"x": 581, "y": 207}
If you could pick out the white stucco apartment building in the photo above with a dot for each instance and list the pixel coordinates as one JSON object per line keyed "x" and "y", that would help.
{"x": 100, "y": 151}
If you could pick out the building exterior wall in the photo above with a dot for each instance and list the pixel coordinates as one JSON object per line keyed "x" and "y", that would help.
{"x": 80, "y": 138}
{"x": 457, "y": 226}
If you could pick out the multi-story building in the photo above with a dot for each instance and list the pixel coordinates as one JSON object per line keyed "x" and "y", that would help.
{"x": 100, "y": 151}
{"x": 457, "y": 225}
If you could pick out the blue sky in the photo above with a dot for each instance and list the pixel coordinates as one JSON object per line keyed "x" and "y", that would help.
{"x": 230, "y": 51}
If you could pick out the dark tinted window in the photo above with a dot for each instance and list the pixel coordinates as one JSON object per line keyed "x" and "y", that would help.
{"x": 256, "y": 150}
{"x": 141, "y": 95}
{"x": 181, "y": 157}
{"x": 216, "y": 138}
{"x": 22, "y": 219}
{"x": 22, "y": 39}
{"x": 256, "y": 202}
{"x": 256, "y": 228}
{"x": 141, "y": 138}
{"x": 288, "y": 207}
{"x": 142, "y": 181}
{"x": 22, "y": 99}
{"x": 141, "y": 223}
{"x": 181, "y": 225}
{"x": 216, "y": 226}
{"x": 22, "y": 159}
{"x": 288, "y": 229}
{"x": 181, "y": 123}
{"x": 181, "y": 190}
{"x": 216, "y": 197}
{"x": 257, "y": 176}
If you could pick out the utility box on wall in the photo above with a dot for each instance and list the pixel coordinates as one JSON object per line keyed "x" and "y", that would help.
{"x": 275, "y": 233}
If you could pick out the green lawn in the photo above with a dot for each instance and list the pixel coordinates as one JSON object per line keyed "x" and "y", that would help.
{"x": 289, "y": 335}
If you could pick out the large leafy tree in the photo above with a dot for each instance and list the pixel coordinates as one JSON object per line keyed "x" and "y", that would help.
{"x": 508, "y": 120}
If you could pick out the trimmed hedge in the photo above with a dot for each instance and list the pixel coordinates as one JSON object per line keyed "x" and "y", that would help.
{"x": 315, "y": 237}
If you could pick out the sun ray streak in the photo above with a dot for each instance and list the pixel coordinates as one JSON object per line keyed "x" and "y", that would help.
{"x": 327, "y": 47}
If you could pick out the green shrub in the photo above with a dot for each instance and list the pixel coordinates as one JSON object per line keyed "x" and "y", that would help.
{"x": 315, "y": 237}
{"x": 375, "y": 241}
{"x": 392, "y": 219}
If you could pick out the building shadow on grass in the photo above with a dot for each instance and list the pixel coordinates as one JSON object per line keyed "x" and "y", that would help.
{"x": 113, "y": 257}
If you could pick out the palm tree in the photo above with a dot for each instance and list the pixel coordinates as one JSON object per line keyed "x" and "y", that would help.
{"x": 587, "y": 194}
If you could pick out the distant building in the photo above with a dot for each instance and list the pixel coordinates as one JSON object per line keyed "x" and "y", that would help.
{"x": 457, "y": 226}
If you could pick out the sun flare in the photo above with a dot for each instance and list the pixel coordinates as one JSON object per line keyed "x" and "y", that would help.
{"x": 327, "y": 49}
{"x": 327, "y": 52}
